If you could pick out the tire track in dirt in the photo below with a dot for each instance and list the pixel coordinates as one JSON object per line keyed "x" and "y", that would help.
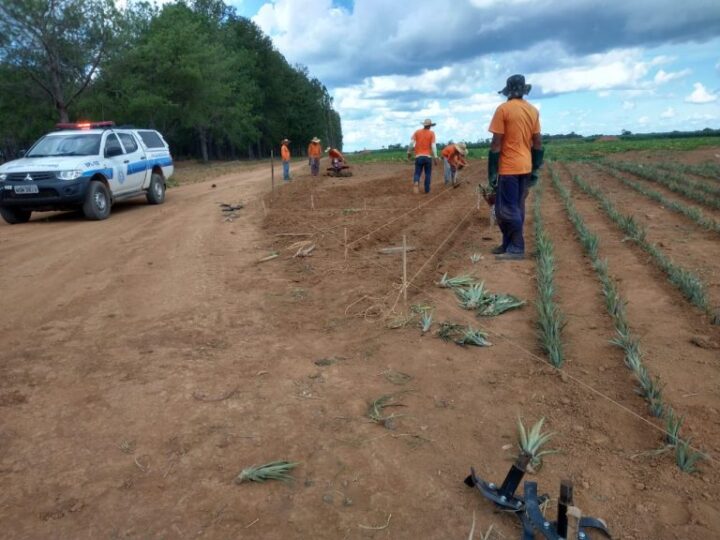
{"x": 665, "y": 324}
{"x": 690, "y": 246}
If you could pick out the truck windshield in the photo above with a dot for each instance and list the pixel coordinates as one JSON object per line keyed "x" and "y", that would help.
{"x": 84, "y": 144}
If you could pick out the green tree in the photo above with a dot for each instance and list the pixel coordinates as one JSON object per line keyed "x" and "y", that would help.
{"x": 58, "y": 44}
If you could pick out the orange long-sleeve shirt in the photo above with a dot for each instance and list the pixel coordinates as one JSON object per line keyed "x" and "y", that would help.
{"x": 335, "y": 154}
{"x": 314, "y": 150}
{"x": 285, "y": 152}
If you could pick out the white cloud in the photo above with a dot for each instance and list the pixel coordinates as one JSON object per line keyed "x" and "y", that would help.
{"x": 662, "y": 76}
{"x": 612, "y": 70}
{"x": 628, "y": 105}
{"x": 668, "y": 113}
{"x": 700, "y": 95}
{"x": 643, "y": 120}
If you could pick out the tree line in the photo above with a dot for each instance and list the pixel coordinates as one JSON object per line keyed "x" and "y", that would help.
{"x": 210, "y": 80}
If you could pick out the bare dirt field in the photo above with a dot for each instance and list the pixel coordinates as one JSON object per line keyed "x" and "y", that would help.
{"x": 147, "y": 359}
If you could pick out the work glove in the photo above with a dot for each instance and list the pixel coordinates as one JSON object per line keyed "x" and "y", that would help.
{"x": 493, "y": 166}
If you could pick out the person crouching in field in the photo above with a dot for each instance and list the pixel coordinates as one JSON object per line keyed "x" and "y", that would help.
{"x": 337, "y": 160}
{"x": 454, "y": 159}
{"x": 314, "y": 155}
{"x": 285, "y": 157}
{"x": 423, "y": 143}
{"x": 515, "y": 156}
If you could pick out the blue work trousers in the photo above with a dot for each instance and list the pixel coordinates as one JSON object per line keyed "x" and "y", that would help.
{"x": 423, "y": 163}
{"x": 286, "y": 171}
{"x": 512, "y": 191}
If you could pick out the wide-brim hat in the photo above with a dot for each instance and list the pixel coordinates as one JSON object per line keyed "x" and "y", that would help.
{"x": 428, "y": 123}
{"x": 328, "y": 148}
{"x": 315, "y": 140}
{"x": 285, "y": 141}
{"x": 462, "y": 148}
{"x": 515, "y": 87}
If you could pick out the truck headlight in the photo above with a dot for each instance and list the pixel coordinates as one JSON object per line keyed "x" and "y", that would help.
{"x": 69, "y": 175}
{"x": 3, "y": 176}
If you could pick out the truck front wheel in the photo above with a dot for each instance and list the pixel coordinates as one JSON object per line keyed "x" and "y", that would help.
{"x": 15, "y": 215}
{"x": 97, "y": 201}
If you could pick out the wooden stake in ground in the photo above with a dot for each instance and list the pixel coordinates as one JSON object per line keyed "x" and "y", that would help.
{"x": 312, "y": 202}
{"x": 263, "y": 205}
{"x": 272, "y": 170}
{"x": 405, "y": 284}
{"x": 346, "y": 245}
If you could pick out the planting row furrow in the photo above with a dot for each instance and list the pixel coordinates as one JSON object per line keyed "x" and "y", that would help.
{"x": 690, "y": 284}
{"x": 550, "y": 319}
{"x": 691, "y": 212}
{"x": 649, "y": 386}
{"x": 704, "y": 170}
{"x": 692, "y": 190}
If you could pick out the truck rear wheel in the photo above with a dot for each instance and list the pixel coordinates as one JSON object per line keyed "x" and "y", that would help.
{"x": 156, "y": 191}
{"x": 97, "y": 201}
{"x": 15, "y": 215}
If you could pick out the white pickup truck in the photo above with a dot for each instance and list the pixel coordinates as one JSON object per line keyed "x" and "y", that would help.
{"x": 88, "y": 166}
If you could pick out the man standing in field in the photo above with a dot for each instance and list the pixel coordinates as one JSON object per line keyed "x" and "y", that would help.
{"x": 423, "y": 143}
{"x": 314, "y": 155}
{"x": 285, "y": 156}
{"x": 453, "y": 159}
{"x": 515, "y": 156}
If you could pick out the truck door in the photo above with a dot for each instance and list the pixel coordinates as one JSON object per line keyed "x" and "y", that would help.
{"x": 115, "y": 158}
{"x": 135, "y": 162}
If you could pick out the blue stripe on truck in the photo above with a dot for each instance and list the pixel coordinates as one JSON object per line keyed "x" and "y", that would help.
{"x": 107, "y": 173}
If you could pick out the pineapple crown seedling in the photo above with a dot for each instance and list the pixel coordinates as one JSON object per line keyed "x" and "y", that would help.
{"x": 673, "y": 423}
{"x": 458, "y": 281}
{"x": 475, "y": 258}
{"x": 470, "y": 336}
{"x": 497, "y": 304}
{"x": 448, "y": 330}
{"x": 532, "y": 442}
{"x": 426, "y": 320}
{"x": 471, "y": 297}
{"x": 686, "y": 458}
{"x": 275, "y": 470}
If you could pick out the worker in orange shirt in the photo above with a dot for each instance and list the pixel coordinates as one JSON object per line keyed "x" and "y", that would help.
{"x": 337, "y": 160}
{"x": 285, "y": 157}
{"x": 314, "y": 155}
{"x": 423, "y": 144}
{"x": 454, "y": 159}
{"x": 515, "y": 156}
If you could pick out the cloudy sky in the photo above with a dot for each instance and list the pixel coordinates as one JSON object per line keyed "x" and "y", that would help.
{"x": 595, "y": 66}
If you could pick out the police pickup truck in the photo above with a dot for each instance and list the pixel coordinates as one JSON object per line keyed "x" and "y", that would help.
{"x": 88, "y": 166}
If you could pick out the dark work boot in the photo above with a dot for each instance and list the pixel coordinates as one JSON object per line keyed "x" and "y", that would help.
{"x": 498, "y": 250}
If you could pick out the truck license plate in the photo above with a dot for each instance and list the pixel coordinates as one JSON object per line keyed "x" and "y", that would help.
{"x": 26, "y": 190}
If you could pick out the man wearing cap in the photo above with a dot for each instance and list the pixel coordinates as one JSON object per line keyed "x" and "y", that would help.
{"x": 454, "y": 158}
{"x": 515, "y": 156}
{"x": 285, "y": 156}
{"x": 423, "y": 143}
{"x": 314, "y": 155}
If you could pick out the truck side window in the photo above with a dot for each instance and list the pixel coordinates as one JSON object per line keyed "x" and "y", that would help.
{"x": 128, "y": 142}
{"x": 112, "y": 146}
{"x": 151, "y": 139}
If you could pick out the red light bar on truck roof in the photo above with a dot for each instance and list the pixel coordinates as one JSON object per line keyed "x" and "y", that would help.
{"x": 85, "y": 125}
